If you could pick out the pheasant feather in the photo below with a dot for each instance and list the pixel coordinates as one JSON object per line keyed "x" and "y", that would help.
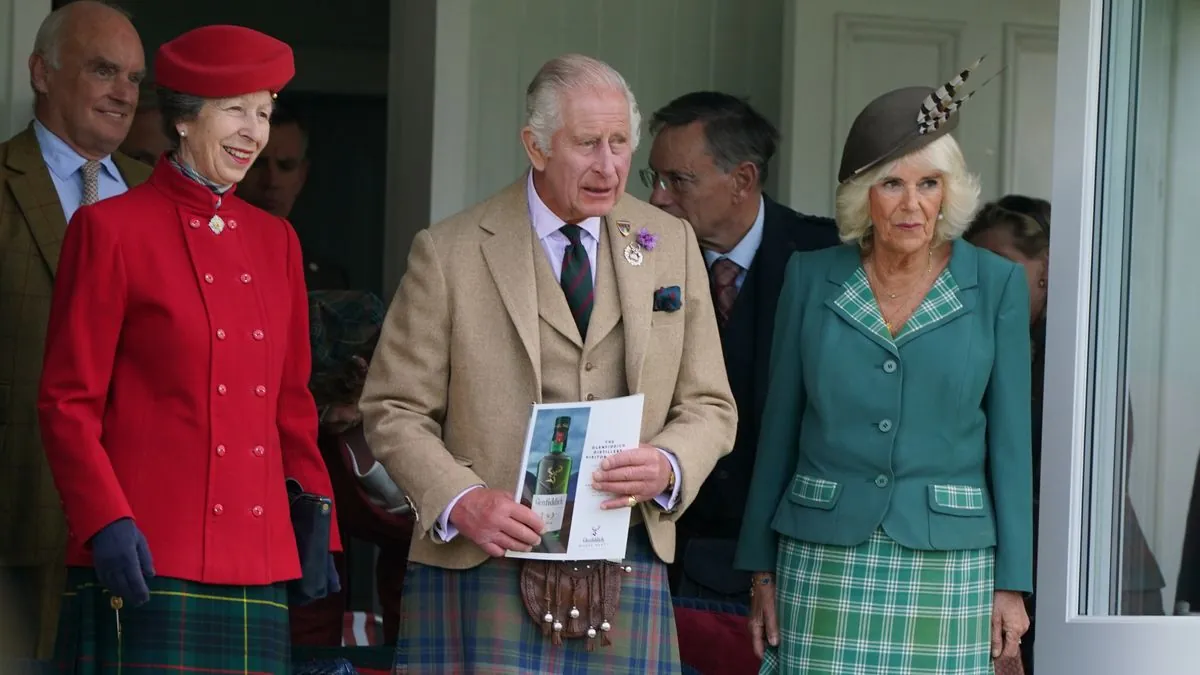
{"x": 941, "y": 103}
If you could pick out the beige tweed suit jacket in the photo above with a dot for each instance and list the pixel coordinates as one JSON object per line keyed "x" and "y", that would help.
{"x": 473, "y": 328}
{"x": 32, "y": 226}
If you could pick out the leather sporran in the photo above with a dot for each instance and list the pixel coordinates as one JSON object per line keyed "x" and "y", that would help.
{"x": 572, "y": 600}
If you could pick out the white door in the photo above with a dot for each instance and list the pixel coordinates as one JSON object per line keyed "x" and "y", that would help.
{"x": 1122, "y": 429}
{"x": 840, "y": 54}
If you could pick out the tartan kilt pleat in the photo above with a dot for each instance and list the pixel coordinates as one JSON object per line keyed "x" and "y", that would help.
{"x": 472, "y": 622}
{"x": 880, "y": 608}
{"x": 186, "y": 628}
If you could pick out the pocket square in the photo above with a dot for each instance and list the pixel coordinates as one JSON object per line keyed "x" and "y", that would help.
{"x": 668, "y": 299}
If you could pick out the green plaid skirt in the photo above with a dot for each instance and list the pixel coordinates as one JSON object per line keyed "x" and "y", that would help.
{"x": 187, "y": 628}
{"x": 882, "y": 609}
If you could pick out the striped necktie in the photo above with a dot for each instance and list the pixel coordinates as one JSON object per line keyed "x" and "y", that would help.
{"x": 576, "y": 278}
{"x": 91, "y": 182}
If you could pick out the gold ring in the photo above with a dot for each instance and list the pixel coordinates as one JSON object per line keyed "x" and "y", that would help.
{"x": 632, "y": 501}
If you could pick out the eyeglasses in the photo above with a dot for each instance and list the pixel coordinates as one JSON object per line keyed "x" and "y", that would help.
{"x": 671, "y": 182}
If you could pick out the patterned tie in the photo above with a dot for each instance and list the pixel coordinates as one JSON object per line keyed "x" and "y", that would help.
{"x": 91, "y": 182}
{"x": 576, "y": 278}
{"x": 723, "y": 277}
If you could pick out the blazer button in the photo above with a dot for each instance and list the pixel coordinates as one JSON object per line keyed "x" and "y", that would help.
{"x": 220, "y": 451}
{"x": 258, "y": 334}
{"x": 591, "y": 397}
{"x": 232, "y": 224}
{"x": 220, "y": 334}
{"x": 257, "y": 511}
{"x": 208, "y": 278}
{"x": 588, "y": 366}
{"x": 221, "y": 389}
{"x": 245, "y": 278}
{"x": 259, "y": 451}
{"x": 881, "y": 481}
{"x": 218, "y": 510}
{"x": 195, "y": 222}
{"x": 885, "y": 426}
{"x": 889, "y": 366}
{"x": 260, "y": 390}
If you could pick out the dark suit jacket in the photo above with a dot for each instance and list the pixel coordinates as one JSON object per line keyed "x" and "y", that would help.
{"x": 746, "y": 342}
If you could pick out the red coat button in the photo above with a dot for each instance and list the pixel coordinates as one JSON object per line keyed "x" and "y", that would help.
{"x": 221, "y": 389}
{"x": 195, "y": 222}
{"x": 232, "y": 224}
{"x": 208, "y": 278}
{"x": 220, "y": 451}
{"x": 260, "y": 390}
{"x": 245, "y": 278}
{"x": 259, "y": 451}
{"x": 220, "y": 334}
{"x": 257, "y": 511}
{"x": 218, "y": 510}
{"x": 258, "y": 335}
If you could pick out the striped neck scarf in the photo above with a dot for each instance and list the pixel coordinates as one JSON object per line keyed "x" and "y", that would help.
{"x": 194, "y": 175}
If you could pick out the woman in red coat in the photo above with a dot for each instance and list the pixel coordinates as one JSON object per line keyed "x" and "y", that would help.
{"x": 174, "y": 400}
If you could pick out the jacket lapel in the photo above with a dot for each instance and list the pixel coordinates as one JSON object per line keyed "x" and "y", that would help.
{"x": 606, "y": 312}
{"x": 635, "y": 283}
{"x": 508, "y": 256}
{"x": 36, "y": 196}
{"x": 846, "y": 304}
{"x": 132, "y": 171}
{"x": 943, "y": 306}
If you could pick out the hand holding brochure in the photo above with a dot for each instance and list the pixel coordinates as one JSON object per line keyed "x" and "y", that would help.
{"x": 564, "y": 445}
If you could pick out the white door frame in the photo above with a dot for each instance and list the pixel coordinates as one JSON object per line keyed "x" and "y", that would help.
{"x": 1074, "y": 631}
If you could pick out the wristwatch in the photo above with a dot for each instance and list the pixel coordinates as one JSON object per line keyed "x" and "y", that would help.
{"x": 671, "y": 482}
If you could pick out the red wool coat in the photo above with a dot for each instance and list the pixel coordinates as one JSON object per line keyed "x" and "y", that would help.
{"x": 175, "y": 384}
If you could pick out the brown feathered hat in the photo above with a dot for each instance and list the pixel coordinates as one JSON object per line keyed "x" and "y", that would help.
{"x": 902, "y": 121}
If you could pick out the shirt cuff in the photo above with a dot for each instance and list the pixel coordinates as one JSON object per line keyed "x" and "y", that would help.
{"x": 668, "y": 502}
{"x": 443, "y": 531}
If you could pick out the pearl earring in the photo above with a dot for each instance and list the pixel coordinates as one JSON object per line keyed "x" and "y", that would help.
{"x": 182, "y": 133}
{"x": 941, "y": 216}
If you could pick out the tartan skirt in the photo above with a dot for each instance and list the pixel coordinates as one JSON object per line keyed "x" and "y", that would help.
{"x": 880, "y": 608}
{"x": 187, "y": 628}
{"x": 472, "y": 622}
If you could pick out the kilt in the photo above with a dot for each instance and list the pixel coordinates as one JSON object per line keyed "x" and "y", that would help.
{"x": 185, "y": 628}
{"x": 473, "y": 622}
{"x": 880, "y": 608}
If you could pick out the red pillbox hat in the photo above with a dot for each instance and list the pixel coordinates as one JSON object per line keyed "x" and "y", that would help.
{"x": 224, "y": 61}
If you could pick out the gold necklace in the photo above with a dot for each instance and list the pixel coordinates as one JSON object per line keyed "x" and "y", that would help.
{"x": 892, "y": 296}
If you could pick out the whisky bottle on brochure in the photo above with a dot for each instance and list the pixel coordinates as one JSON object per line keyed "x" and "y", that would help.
{"x": 553, "y": 478}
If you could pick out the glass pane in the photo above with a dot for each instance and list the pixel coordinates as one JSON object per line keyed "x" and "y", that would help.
{"x": 1144, "y": 397}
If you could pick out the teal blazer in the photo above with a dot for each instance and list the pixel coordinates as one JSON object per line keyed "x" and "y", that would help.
{"x": 927, "y": 435}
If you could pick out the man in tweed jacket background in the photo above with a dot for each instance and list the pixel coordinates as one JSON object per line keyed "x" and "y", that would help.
{"x": 85, "y": 70}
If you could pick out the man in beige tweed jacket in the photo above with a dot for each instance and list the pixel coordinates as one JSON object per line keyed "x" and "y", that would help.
{"x": 85, "y": 68}
{"x": 480, "y": 328}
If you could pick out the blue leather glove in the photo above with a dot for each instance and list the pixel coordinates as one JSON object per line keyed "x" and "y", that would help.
{"x": 334, "y": 585}
{"x": 122, "y": 561}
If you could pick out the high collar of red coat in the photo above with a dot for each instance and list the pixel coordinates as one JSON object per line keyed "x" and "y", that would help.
{"x": 186, "y": 192}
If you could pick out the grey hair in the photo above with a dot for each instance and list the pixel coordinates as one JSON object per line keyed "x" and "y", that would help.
{"x": 49, "y": 36}
{"x": 960, "y": 196}
{"x": 176, "y": 107}
{"x": 572, "y": 72}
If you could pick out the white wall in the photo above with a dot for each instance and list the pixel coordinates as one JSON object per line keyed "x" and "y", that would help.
{"x": 19, "y": 21}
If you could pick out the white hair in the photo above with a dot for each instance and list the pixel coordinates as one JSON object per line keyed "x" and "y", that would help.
{"x": 960, "y": 195}
{"x": 563, "y": 74}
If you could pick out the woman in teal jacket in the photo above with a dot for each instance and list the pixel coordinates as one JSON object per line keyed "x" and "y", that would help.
{"x": 889, "y": 527}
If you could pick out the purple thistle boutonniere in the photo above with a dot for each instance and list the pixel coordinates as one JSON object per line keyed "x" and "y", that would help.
{"x": 646, "y": 239}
